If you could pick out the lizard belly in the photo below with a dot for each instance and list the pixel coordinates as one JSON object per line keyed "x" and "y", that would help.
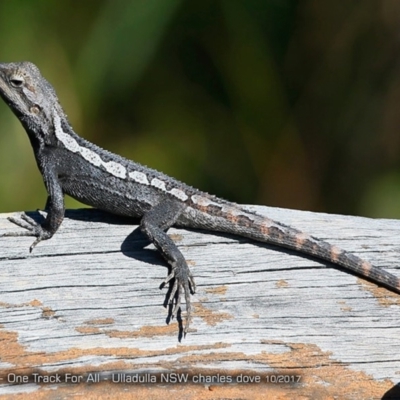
{"x": 131, "y": 201}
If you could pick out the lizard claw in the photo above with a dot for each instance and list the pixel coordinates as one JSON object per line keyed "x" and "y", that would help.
{"x": 183, "y": 284}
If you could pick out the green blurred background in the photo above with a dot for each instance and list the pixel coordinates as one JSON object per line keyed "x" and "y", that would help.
{"x": 277, "y": 102}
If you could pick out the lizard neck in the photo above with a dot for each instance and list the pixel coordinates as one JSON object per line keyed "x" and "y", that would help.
{"x": 42, "y": 126}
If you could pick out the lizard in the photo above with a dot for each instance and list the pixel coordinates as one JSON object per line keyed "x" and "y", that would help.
{"x": 71, "y": 165}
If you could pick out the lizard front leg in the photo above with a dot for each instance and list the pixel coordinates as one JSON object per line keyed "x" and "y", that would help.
{"x": 55, "y": 215}
{"x": 154, "y": 225}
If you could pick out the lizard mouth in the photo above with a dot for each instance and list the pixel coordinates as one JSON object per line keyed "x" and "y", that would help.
{"x": 6, "y": 95}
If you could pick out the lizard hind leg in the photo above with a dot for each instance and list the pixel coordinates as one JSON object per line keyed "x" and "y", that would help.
{"x": 154, "y": 225}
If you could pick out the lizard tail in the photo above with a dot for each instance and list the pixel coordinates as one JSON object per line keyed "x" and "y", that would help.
{"x": 231, "y": 219}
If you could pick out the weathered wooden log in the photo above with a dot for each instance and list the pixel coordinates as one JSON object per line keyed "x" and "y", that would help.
{"x": 87, "y": 303}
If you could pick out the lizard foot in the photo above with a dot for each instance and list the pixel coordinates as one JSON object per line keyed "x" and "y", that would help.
{"x": 183, "y": 284}
{"x": 32, "y": 229}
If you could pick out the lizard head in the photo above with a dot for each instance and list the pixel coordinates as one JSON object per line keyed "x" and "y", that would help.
{"x": 27, "y": 93}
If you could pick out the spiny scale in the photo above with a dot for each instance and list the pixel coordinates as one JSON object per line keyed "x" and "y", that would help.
{"x": 72, "y": 165}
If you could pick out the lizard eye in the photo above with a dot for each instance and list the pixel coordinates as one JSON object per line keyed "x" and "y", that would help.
{"x": 17, "y": 81}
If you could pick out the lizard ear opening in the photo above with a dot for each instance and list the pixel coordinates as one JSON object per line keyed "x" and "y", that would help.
{"x": 35, "y": 109}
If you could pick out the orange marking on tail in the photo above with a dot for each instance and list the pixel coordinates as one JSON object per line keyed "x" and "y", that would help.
{"x": 231, "y": 217}
{"x": 366, "y": 268}
{"x": 264, "y": 230}
{"x": 335, "y": 253}
{"x": 300, "y": 239}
